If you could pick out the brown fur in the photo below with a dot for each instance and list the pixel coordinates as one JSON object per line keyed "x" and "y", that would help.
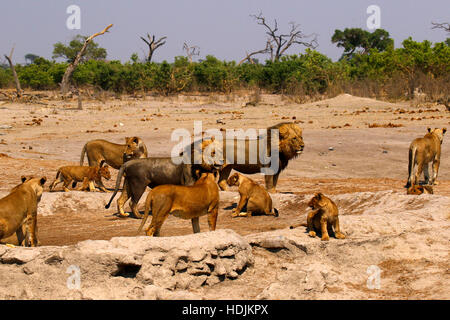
{"x": 112, "y": 153}
{"x": 87, "y": 175}
{"x": 290, "y": 146}
{"x": 323, "y": 217}
{"x": 423, "y": 151}
{"x": 186, "y": 202}
{"x": 255, "y": 197}
{"x": 20, "y": 207}
{"x": 418, "y": 190}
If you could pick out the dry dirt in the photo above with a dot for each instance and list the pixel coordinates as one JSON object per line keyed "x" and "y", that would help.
{"x": 355, "y": 151}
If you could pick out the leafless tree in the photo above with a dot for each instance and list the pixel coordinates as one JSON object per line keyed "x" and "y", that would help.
{"x": 445, "y": 26}
{"x": 153, "y": 44}
{"x": 278, "y": 43}
{"x": 191, "y": 51}
{"x": 65, "y": 82}
{"x": 13, "y": 70}
{"x": 248, "y": 56}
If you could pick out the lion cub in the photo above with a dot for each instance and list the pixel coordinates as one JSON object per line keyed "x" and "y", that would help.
{"x": 87, "y": 175}
{"x": 253, "y": 195}
{"x": 323, "y": 217}
{"x": 418, "y": 189}
{"x": 20, "y": 207}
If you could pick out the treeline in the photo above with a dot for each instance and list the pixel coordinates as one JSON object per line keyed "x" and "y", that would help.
{"x": 392, "y": 73}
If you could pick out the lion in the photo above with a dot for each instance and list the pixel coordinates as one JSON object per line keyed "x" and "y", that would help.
{"x": 112, "y": 153}
{"x": 324, "y": 217}
{"x": 186, "y": 202}
{"x": 20, "y": 207}
{"x": 290, "y": 146}
{"x": 421, "y": 152}
{"x": 255, "y": 197}
{"x": 418, "y": 189}
{"x": 85, "y": 174}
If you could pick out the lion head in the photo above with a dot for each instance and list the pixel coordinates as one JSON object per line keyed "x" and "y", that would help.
{"x": 317, "y": 202}
{"x": 233, "y": 180}
{"x": 291, "y": 143}
{"x": 438, "y": 133}
{"x": 135, "y": 148}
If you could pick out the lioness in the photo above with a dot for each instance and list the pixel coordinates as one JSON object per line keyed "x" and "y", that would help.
{"x": 87, "y": 175}
{"x": 19, "y": 207}
{"x": 112, "y": 153}
{"x": 186, "y": 202}
{"x": 421, "y": 152}
{"x": 252, "y": 195}
{"x": 290, "y": 146}
{"x": 418, "y": 190}
{"x": 323, "y": 217}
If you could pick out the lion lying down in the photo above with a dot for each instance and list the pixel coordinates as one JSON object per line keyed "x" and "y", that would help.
{"x": 85, "y": 174}
{"x": 254, "y": 196}
{"x": 20, "y": 207}
{"x": 186, "y": 202}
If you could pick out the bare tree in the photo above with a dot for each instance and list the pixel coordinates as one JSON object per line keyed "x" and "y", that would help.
{"x": 16, "y": 79}
{"x": 65, "y": 82}
{"x": 445, "y": 26}
{"x": 191, "y": 51}
{"x": 153, "y": 45}
{"x": 248, "y": 56}
{"x": 278, "y": 43}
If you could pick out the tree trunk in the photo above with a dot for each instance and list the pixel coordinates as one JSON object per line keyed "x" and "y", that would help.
{"x": 65, "y": 82}
{"x": 16, "y": 79}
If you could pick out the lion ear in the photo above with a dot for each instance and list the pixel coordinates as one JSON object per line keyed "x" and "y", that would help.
{"x": 319, "y": 195}
{"x": 429, "y": 129}
{"x": 101, "y": 163}
{"x": 23, "y": 179}
{"x": 42, "y": 181}
{"x": 126, "y": 139}
{"x": 136, "y": 140}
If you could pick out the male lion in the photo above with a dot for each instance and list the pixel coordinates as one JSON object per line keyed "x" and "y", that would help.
{"x": 290, "y": 146}
{"x": 418, "y": 190}
{"x": 112, "y": 153}
{"x": 20, "y": 207}
{"x": 87, "y": 175}
{"x": 252, "y": 195}
{"x": 421, "y": 152}
{"x": 186, "y": 202}
{"x": 323, "y": 217}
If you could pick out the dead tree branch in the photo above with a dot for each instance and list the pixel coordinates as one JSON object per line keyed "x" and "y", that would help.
{"x": 13, "y": 70}
{"x": 191, "y": 51}
{"x": 278, "y": 43}
{"x": 248, "y": 57}
{"x": 445, "y": 26}
{"x": 153, "y": 45}
{"x": 65, "y": 83}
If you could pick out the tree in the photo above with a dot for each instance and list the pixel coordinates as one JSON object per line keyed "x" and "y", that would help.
{"x": 30, "y": 57}
{"x": 78, "y": 57}
{"x": 13, "y": 70}
{"x": 352, "y": 39}
{"x": 445, "y": 26}
{"x": 153, "y": 45}
{"x": 191, "y": 51}
{"x": 278, "y": 43}
{"x": 69, "y": 52}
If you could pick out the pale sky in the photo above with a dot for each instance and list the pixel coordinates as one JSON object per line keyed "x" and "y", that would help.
{"x": 222, "y": 28}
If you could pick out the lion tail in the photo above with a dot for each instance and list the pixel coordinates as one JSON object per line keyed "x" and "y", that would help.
{"x": 119, "y": 178}
{"x": 411, "y": 161}
{"x": 299, "y": 225}
{"x": 83, "y": 152}
{"x": 148, "y": 206}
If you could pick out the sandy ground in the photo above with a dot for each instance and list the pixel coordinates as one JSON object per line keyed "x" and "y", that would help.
{"x": 347, "y": 156}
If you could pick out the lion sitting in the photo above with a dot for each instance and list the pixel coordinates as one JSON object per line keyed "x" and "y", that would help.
{"x": 255, "y": 197}
{"x": 324, "y": 217}
{"x": 186, "y": 202}
{"x": 85, "y": 174}
{"x": 418, "y": 189}
{"x": 421, "y": 152}
{"x": 20, "y": 207}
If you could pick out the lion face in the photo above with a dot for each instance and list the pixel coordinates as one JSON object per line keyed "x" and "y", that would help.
{"x": 233, "y": 180}
{"x": 317, "y": 201}
{"x": 291, "y": 140}
{"x": 438, "y": 133}
{"x": 133, "y": 149}
{"x": 104, "y": 172}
